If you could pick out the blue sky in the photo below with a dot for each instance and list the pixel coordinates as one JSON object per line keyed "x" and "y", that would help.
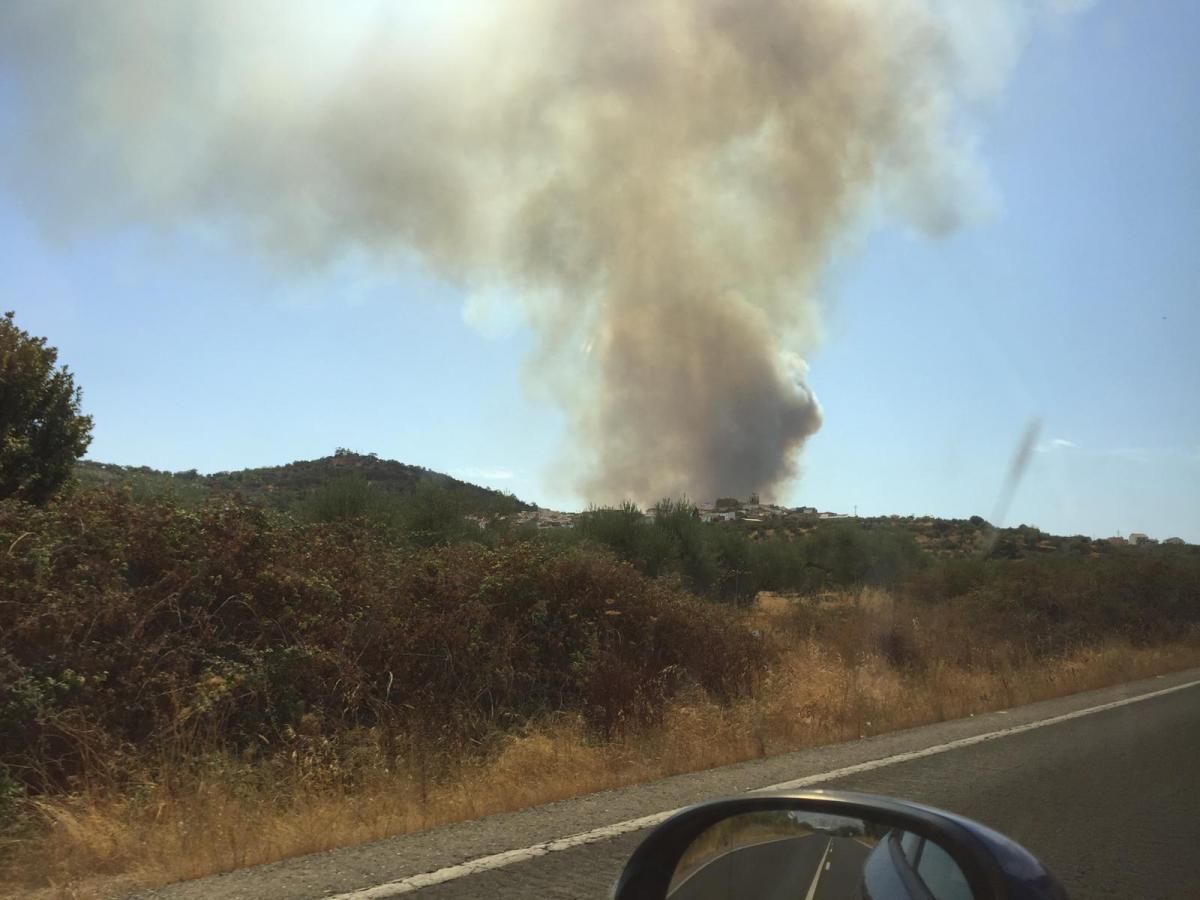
{"x": 1075, "y": 303}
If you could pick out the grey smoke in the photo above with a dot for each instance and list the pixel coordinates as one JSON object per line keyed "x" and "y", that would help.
{"x": 658, "y": 184}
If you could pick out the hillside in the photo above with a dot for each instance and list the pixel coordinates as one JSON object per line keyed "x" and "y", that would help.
{"x": 945, "y": 538}
{"x": 286, "y": 487}
{"x": 939, "y": 537}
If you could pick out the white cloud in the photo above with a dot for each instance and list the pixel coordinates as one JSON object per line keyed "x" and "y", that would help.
{"x": 1063, "y": 442}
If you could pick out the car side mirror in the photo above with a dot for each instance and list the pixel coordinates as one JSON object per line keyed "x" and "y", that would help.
{"x": 822, "y": 845}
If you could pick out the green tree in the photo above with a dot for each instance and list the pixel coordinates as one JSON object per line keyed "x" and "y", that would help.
{"x": 630, "y": 535}
{"x": 735, "y": 567}
{"x": 341, "y": 499}
{"x": 680, "y": 521}
{"x": 433, "y": 516}
{"x": 42, "y": 431}
{"x": 618, "y": 528}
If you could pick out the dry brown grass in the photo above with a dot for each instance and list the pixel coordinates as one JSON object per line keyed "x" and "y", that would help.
{"x": 840, "y": 681}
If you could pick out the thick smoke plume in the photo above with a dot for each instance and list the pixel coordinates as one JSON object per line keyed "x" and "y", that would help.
{"x": 657, "y": 183}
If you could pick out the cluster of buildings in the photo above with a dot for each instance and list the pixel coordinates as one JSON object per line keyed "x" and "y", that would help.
{"x": 545, "y": 518}
{"x": 753, "y": 511}
{"x": 1138, "y": 539}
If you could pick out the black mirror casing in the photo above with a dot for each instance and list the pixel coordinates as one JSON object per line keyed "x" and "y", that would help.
{"x": 996, "y": 868}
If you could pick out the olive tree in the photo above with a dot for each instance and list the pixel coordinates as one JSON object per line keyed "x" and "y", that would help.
{"x": 42, "y": 431}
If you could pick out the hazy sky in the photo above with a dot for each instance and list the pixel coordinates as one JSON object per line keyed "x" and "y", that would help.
{"x": 1075, "y": 302}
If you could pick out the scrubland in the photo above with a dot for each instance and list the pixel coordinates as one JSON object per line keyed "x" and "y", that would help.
{"x": 186, "y": 689}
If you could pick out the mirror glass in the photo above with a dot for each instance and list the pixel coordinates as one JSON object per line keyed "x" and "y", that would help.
{"x": 811, "y": 856}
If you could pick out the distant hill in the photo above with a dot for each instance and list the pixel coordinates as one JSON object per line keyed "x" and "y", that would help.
{"x": 286, "y": 487}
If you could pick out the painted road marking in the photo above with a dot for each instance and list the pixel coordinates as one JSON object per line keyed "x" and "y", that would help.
{"x": 822, "y": 866}
{"x": 607, "y": 832}
{"x": 967, "y": 741}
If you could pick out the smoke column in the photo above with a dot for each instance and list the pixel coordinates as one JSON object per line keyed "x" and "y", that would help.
{"x": 657, "y": 184}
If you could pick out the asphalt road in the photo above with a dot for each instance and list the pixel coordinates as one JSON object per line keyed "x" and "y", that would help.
{"x": 1109, "y": 800}
{"x": 816, "y": 866}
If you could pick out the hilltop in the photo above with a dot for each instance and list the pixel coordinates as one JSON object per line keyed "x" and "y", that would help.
{"x": 288, "y": 486}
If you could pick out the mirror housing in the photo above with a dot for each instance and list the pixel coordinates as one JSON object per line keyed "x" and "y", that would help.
{"x": 995, "y": 867}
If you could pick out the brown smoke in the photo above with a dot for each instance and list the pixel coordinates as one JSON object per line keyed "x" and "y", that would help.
{"x": 659, "y": 183}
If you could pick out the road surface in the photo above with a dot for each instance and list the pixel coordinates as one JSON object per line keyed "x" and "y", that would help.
{"x": 813, "y": 867}
{"x": 1108, "y": 796}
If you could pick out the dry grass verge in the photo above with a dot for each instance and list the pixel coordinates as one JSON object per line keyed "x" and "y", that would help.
{"x": 188, "y": 823}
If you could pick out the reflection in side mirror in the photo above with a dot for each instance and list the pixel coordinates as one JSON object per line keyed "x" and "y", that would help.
{"x": 821, "y": 845}
{"x": 789, "y": 853}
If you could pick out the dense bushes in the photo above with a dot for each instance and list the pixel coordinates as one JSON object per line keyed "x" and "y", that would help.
{"x": 427, "y": 516}
{"x": 128, "y": 626}
{"x": 838, "y": 554}
{"x": 1046, "y": 602}
{"x": 722, "y": 561}
{"x": 1059, "y": 601}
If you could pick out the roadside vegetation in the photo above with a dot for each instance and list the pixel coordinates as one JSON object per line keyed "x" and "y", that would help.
{"x": 190, "y": 688}
{"x": 195, "y": 678}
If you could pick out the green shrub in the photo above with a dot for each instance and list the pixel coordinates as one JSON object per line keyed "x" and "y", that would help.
{"x": 693, "y": 555}
{"x": 850, "y": 554}
{"x": 631, "y": 536}
{"x": 433, "y": 516}
{"x": 341, "y": 499}
{"x": 1058, "y": 601}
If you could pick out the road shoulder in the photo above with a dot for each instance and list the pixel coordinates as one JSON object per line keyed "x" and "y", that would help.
{"x": 391, "y": 859}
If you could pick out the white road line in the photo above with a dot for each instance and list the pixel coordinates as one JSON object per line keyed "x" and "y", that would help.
{"x": 967, "y": 741}
{"x": 607, "y": 832}
{"x": 822, "y": 867}
{"x": 500, "y": 860}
